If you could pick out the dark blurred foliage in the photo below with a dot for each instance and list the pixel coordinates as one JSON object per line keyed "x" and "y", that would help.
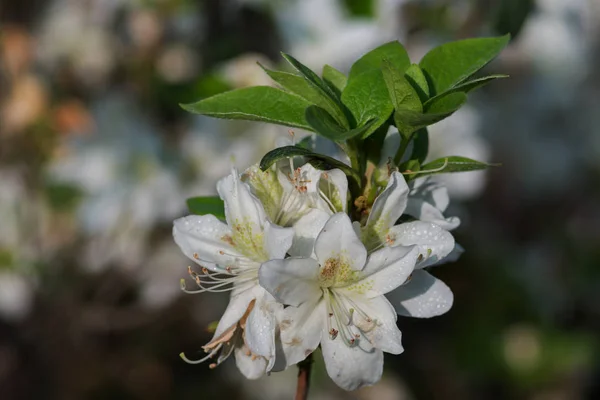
{"x": 80, "y": 316}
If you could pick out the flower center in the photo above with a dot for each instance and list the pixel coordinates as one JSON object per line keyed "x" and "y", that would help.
{"x": 336, "y": 271}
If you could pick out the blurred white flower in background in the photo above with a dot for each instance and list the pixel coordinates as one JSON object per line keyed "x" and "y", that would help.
{"x": 244, "y": 71}
{"x": 79, "y": 32}
{"x": 320, "y": 31}
{"x": 127, "y": 188}
{"x": 16, "y": 295}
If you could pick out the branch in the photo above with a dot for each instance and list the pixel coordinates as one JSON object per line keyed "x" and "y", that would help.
{"x": 303, "y": 385}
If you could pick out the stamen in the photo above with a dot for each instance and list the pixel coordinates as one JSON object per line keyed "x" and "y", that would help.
{"x": 210, "y": 355}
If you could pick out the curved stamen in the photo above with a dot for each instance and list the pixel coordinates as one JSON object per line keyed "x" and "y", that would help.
{"x": 210, "y": 355}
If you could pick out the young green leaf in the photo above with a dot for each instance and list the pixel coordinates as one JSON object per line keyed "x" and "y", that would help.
{"x": 467, "y": 86}
{"x": 452, "y": 63}
{"x": 308, "y": 91}
{"x": 446, "y": 103}
{"x": 310, "y": 75}
{"x": 335, "y": 79}
{"x": 326, "y": 126}
{"x": 319, "y": 161}
{"x": 367, "y": 98}
{"x": 401, "y": 92}
{"x": 417, "y": 79}
{"x": 258, "y": 103}
{"x": 453, "y": 164}
{"x": 392, "y": 51}
{"x": 206, "y": 205}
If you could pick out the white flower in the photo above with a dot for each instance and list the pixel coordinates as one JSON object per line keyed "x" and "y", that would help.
{"x": 336, "y": 299}
{"x": 424, "y": 295}
{"x": 302, "y": 197}
{"x": 230, "y": 255}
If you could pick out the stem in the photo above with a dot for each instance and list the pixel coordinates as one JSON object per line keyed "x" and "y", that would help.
{"x": 351, "y": 150}
{"x": 403, "y": 145}
{"x": 303, "y": 385}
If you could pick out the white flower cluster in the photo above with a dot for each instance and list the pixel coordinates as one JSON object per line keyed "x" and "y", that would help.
{"x": 303, "y": 274}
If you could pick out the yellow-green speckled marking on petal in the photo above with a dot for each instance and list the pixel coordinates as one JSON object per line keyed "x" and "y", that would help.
{"x": 337, "y": 272}
{"x": 361, "y": 287}
{"x": 266, "y": 187}
{"x": 249, "y": 242}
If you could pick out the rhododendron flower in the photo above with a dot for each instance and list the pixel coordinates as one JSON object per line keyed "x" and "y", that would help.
{"x": 336, "y": 300}
{"x": 230, "y": 256}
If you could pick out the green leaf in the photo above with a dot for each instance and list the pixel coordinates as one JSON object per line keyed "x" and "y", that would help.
{"x": 453, "y": 164}
{"x": 258, "y": 103}
{"x": 451, "y": 63}
{"x": 420, "y": 146}
{"x": 326, "y": 126}
{"x": 318, "y": 161}
{"x": 335, "y": 79}
{"x": 447, "y": 103}
{"x": 417, "y": 79}
{"x": 308, "y": 91}
{"x": 401, "y": 92}
{"x": 310, "y": 75}
{"x": 468, "y": 86}
{"x": 392, "y": 51}
{"x": 367, "y": 98}
{"x": 206, "y": 205}
{"x": 412, "y": 121}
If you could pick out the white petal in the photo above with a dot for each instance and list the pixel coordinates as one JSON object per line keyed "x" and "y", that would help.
{"x": 424, "y": 296}
{"x": 277, "y": 240}
{"x": 427, "y": 201}
{"x": 434, "y": 242}
{"x": 427, "y": 212}
{"x": 432, "y": 192}
{"x": 251, "y": 369}
{"x": 241, "y": 206}
{"x": 236, "y": 309}
{"x": 385, "y": 336}
{"x": 386, "y": 269}
{"x": 201, "y": 238}
{"x": 301, "y": 330}
{"x": 350, "y": 367}
{"x": 291, "y": 281}
{"x": 306, "y": 230}
{"x": 389, "y": 205}
{"x": 338, "y": 239}
{"x": 260, "y": 328}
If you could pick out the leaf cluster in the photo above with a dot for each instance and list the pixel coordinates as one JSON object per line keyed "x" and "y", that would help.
{"x": 383, "y": 88}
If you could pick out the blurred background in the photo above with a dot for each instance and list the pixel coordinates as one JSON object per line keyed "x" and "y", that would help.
{"x": 97, "y": 159}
